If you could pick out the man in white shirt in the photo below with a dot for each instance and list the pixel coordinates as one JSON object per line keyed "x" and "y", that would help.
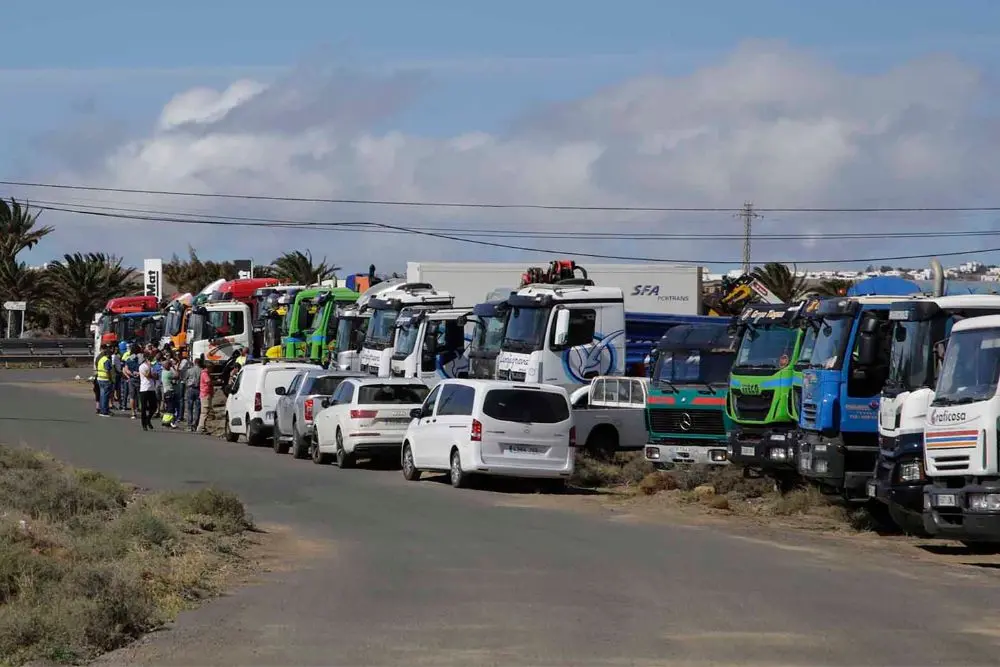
{"x": 147, "y": 394}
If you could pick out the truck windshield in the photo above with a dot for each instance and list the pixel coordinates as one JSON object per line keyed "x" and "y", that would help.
{"x": 316, "y": 323}
{"x": 345, "y": 327}
{"x": 766, "y": 348}
{"x": 382, "y": 327}
{"x": 911, "y": 364}
{"x": 488, "y": 334}
{"x": 304, "y": 316}
{"x": 172, "y": 322}
{"x": 526, "y": 329}
{"x": 199, "y": 327}
{"x": 806, "y": 348}
{"x": 831, "y": 341}
{"x": 693, "y": 367}
{"x": 971, "y": 367}
{"x": 406, "y": 339}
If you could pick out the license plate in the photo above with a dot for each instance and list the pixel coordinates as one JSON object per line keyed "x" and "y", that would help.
{"x": 269, "y": 416}
{"x": 524, "y": 449}
{"x": 780, "y": 437}
{"x": 748, "y": 451}
{"x": 946, "y": 500}
{"x": 396, "y": 420}
{"x": 682, "y": 452}
{"x": 871, "y": 489}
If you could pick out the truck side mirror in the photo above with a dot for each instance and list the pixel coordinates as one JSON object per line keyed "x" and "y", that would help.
{"x": 940, "y": 348}
{"x": 562, "y": 327}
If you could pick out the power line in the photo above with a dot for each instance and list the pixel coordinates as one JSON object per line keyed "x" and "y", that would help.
{"x": 514, "y": 233}
{"x": 550, "y": 207}
{"x": 353, "y": 226}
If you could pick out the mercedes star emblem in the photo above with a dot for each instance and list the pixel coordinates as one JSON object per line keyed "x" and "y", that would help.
{"x": 685, "y": 422}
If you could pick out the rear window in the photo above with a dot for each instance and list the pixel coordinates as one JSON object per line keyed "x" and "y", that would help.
{"x": 526, "y": 406}
{"x": 392, "y": 393}
{"x": 324, "y": 386}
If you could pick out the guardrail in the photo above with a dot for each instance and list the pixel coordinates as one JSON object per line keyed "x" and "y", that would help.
{"x": 45, "y": 350}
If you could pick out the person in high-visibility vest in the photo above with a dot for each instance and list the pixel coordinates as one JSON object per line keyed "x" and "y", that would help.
{"x": 105, "y": 374}
{"x": 244, "y": 355}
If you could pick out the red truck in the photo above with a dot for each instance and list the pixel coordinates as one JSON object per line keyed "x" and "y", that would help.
{"x": 243, "y": 290}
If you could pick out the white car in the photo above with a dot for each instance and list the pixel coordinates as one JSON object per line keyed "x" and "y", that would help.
{"x": 365, "y": 417}
{"x": 492, "y": 427}
{"x": 251, "y": 404}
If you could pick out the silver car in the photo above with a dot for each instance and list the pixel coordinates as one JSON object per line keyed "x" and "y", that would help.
{"x": 298, "y": 403}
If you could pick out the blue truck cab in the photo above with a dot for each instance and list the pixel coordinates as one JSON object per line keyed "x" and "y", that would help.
{"x": 841, "y": 386}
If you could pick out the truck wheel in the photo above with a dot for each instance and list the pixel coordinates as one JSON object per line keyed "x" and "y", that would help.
{"x": 910, "y": 524}
{"x": 279, "y": 446}
{"x": 602, "y": 443}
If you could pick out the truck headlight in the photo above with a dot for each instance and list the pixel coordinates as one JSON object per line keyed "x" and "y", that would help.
{"x": 819, "y": 447}
{"x": 820, "y": 467}
{"x": 778, "y": 453}
{"x": 984, "y": 502}
{"x": 911, "y": 472}
{"x": 652, "y": 452}
{"x": 717, "y": 455}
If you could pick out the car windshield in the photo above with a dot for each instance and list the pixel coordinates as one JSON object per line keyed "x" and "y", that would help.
{"x": 911, "y": 363}
{"x": 807, "y": 345}
{"x": 392, "y": 393}
{"x": 323, "y": 385}
{"x": 172, "y": 322}
{"x": 831, "y": 341}
{"x": 526, "y": 329}
{"x": 526, "y": 406}
{"x": 488, "y": 334}
{"x": 693, "y": 367}
{"x": 971, "y": 367}
{"x": 766, "y": 347}
{"x": 382, "y": 326}
{"x": 406, "y": 338}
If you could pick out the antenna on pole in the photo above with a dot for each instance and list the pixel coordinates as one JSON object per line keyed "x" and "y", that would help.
{"x": 748, "y": 214}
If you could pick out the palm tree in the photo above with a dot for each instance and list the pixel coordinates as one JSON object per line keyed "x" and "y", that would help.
{"x": 80, "y": 285}
{"x": 193, "y": 274}
{"x": 833, "y": 287}
{"x": 297, "y": 267}
{"x": 781, "y": 280}
{"x": 17, "y": 229}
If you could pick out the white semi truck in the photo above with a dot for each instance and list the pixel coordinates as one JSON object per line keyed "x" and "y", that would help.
{"x": 962, "y": 500}
{"x": 376, "y": 353}
{"x": 352, "y": 325}
{"x": 431, "y": 343}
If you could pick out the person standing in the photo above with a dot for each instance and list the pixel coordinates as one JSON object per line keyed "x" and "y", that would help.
{"x": 182, "y": 368}
{"x": 116, "y": 381}
{"x": 204, "y": 395}
{"x": 192, "y": 394}
{"x": 105, "y": 374}
{"x": 132, "y": 359}
{"x": 158, "y": 382}
{"x": 168, "y": 378}
{"x": 147, "y": 394}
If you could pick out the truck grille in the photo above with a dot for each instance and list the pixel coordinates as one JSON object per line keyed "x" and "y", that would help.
{"x": 949, "y": 462}
{"x": 752, "y": 408}
{"x": 507, "y": 374}
{"x": 809, "y": 411}
{"x": 697, "y": 422}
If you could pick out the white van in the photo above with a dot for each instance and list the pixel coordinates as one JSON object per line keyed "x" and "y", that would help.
{"x": 491, "y": 427}
{"x": 251, "y": 406}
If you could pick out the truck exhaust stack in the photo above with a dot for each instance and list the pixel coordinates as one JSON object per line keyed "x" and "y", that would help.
{"x": 938, "y": 277}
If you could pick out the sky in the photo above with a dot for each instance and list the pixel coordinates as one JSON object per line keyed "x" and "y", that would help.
{"x": 579, "y": 103}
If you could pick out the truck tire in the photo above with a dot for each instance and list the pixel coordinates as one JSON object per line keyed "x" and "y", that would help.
{"x": 602, "y": 442}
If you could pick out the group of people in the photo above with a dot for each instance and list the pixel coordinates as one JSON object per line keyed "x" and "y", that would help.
{"x": 153, "y": 383}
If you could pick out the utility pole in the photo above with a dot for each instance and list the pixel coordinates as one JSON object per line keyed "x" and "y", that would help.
{"x": 748, "y": 214}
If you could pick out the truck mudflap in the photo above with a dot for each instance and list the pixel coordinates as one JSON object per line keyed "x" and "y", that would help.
{"x": 823, "y": 461}
{"x": 773, "y": 450}
{"x": 663, "y": 453}
{"x": 969, "y": 514}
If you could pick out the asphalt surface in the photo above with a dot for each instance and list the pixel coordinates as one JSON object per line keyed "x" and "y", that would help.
{"x": 402, "y": 573}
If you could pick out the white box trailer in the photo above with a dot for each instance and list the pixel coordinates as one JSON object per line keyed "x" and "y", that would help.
{"x": 648, "y": 288}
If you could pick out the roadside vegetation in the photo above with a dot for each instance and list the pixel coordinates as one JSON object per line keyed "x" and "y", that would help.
{"x": 718, "y": 489}
{"x": 88, "y": 564}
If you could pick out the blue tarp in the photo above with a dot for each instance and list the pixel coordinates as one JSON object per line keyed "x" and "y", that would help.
{"x": 884, "y": 285}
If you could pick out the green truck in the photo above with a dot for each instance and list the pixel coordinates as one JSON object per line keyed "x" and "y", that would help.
{"x": 310, "y": 325}
{"x": 762, "y": 401}
{"x": 686, "y": 416}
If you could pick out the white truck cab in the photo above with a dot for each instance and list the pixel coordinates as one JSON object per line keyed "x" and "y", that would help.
{"x": 565, "y": 333}
{"x": 352, "y": 325}
{"x": 962, "y": 500}
{"x": 431, "y": 344}
{"x": 376, "y": 353}
{"x": 218, "y": 329}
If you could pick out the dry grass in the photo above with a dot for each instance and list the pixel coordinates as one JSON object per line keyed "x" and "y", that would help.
{"x": 722, "y": 489}
{"x": 87, "y": 564}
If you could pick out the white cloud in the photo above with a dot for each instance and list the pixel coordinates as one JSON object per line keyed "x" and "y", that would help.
{"x": 767, "y": 124}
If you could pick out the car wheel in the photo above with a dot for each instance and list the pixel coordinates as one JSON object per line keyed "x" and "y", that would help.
{"x": 253, "y": 435}
{"x": 230, "y": 436}
{"x": 344, "y": 460}
{"x": 279, "y": 446}
{"x": 299, "y": 445}
{"x": 410, "y": 472}
{"x": 318, "y": 457}
{"x": 458, "y": 477}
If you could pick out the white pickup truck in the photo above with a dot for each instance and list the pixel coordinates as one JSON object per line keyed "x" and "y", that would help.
{"x": 610, "y": 414}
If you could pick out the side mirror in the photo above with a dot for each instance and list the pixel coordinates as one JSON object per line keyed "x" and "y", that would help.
{"x": 869, "y": 325}
{"x": 280, "y": 391}
{"x": 940, "y": 348}
{"x": 416, "y": 413}
{"x": 562, "y": 327}
{"x": 325, "y": 402}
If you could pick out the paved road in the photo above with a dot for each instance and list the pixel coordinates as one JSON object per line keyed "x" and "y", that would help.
{"x": 422, "y": 574}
